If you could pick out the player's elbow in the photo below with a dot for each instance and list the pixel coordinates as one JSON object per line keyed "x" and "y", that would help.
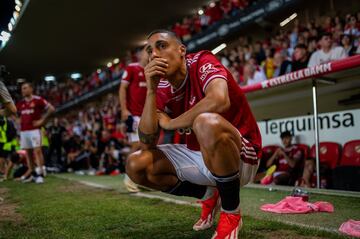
{"x": 221, "y": 105}
{"x": 12, "y": 109}
{"x": 51, "y": 109}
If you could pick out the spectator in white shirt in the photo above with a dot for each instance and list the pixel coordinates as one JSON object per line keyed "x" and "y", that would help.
{"x": 326, "y": 53}
{"x": 252, "y": 75}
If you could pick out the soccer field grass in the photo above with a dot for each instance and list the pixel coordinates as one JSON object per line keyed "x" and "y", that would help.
{"x": 62, "y": 208}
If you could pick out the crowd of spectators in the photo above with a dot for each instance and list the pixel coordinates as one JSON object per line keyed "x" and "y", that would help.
{"x": 207, "y": 16}
{"x": 66, "y": 89}
{"x": 92, "y": 140}
{"x": 306, "y": 44}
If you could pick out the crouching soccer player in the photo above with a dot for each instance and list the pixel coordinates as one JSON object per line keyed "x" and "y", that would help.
{"x": 197, "y": 93}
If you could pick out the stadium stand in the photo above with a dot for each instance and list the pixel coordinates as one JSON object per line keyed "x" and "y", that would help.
{"x": 270, "y": 57}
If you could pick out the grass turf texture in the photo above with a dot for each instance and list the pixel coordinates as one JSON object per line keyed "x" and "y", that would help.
{"x": 65, "y": 209}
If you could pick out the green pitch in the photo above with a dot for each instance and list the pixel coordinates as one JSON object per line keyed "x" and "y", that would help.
{"x": 63, "y": 208}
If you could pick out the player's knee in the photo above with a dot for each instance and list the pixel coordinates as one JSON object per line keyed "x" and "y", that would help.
{"x": 209, "y": 130}
{"x": 37, "y": 152}
{"x": 206, "y": 123}
{"x": 136, "y": 166}
{"x": 309, "y": 164}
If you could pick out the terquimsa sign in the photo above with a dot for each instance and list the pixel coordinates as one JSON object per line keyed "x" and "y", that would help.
{"x": 228, "y": 26}
{"x": 340, "y": 127}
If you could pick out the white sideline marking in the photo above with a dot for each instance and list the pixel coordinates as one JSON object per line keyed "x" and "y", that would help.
{"x": 165, "y": 199}
{"x": 143, "y": 195}
{"x": 94, "y": 185}
{"x": 309, "y": 226}
{"x": 181, "y": 202}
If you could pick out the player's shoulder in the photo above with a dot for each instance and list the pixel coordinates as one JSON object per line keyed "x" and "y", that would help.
{"x": 193, "y": 58}
{"x": 19, "y": 103}
{"x": 37, "y": 97}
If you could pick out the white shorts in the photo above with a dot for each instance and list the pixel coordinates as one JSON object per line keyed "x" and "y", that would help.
{"x": 30, "y": 139}
{"x": 134, "y": 136}
{"x": 190, "y": 166}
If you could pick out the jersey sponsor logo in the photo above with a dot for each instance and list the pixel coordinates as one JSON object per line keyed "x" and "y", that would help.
{"x": 142, "y": 84}
{"x": 27, "y": 111}
{"x": 206, "y": 69}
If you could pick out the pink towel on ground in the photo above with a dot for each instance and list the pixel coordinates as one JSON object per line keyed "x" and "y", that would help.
{"x": 351, "y": 228}
{"x": 297, "y": 205}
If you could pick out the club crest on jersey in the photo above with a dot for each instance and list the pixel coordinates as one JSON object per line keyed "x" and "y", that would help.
{"x": 192, "y": 100}
{"x": 141, "y": 74}
{"x": 206, "y": 69}
{"x": 27, "y": 111}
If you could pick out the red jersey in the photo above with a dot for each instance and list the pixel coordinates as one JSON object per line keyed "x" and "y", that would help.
{"x": 30, "y": 111}
{"x": 136, "y": 92}
{"x": 293, "y": 152}
{"x": 202, "y": 68}
{"x": 109, "y": 121}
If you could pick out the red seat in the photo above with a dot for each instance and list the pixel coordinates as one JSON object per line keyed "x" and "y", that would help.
{"x": 351, "y": 154}
{"x": 330, "y": 153}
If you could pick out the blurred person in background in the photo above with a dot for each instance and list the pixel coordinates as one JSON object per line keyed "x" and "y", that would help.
{"x": 34, "y": 111}
{"x": 327, "y": 52}
{"x": 251, "y": 75}
{"x": 8, "y": 141}
{"x": 283, "y": 66}
{"x": 7, "y": 108}
{"x": 352, "y": 26}
{"x": 7, "y": 104}
{"x": 300, "y": 58}
{"x": 347, "y": 44}
{"x": 288, "y": 161}
{"x": 19, "y": 162}
{"x": 132, "y": 95}
{"x": 56, "y": 132}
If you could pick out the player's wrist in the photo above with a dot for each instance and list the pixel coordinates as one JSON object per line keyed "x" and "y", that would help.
{"x": 150, "y": 92}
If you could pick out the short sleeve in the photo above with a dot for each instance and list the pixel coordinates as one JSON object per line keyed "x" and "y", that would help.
{"x": 161, "y": 100}
{"x": 210, "y": 68}
{"x": 165, "y": 101}
{"x": 43, "y": 103}
{"x": 126, "y": 76}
